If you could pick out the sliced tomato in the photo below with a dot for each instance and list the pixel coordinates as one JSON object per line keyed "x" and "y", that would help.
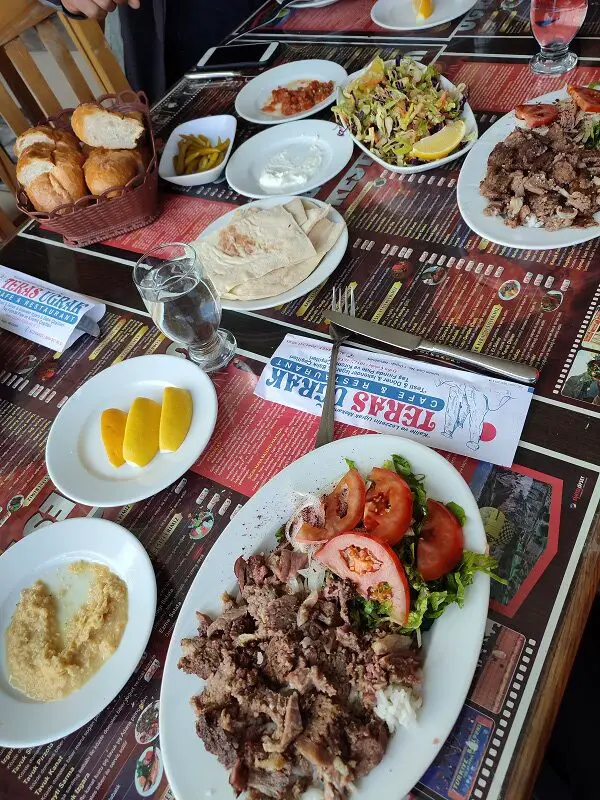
{"x": 388, "y": 506}
{"x": 536, "y": 114}
{"x": 441, "y": 544}
{"x": 586, "y": 99}
{"x": 372, "y": 566}
{"x": 345, "y": 505}
{"x": 311, "y": 534}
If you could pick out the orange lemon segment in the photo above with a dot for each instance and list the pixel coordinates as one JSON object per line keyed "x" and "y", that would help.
{"x": 141, "y": 432}
{"x": 440, "y": 144}
{"x": 176, "y": 418}
{"x": 423, "y": 9}
{"x": 112, "y": 429}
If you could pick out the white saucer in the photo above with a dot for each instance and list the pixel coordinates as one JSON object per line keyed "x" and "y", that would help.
{"x": 255, "y": 95}
{"x": 46, "y": 555}
{"x": 75, "y": 457}
{"x": 298, "y": 140}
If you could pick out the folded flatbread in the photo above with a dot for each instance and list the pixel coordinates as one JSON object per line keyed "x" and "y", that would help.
{"x": 323, "y": 237}
{"x": 256, "y": 241}
{"x": 264, "y": 252}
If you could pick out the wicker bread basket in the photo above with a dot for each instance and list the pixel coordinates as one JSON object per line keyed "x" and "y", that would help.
{"x": 93, "y": 219}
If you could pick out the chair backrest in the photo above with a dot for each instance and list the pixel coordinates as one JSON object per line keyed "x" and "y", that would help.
{"x": 6, "y": 227}
{"x": 25, "y": 93}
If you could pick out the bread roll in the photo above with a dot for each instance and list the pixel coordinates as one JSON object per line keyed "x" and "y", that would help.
{"x": 40, "y": 158}
{"x": 64, "y": 184}
{"x": 98, "y": 127}
{"x": 110, "y": 169}
{"x": 44, "y": 134}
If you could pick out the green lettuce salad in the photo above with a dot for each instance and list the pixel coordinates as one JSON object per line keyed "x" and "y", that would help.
{"x": 394, "y": 104}
{"x": 428, "y": 600}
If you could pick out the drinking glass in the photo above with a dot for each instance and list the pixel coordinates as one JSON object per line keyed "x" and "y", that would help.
{"x": 184, "y": 303}
{"x": 554, "y": 24}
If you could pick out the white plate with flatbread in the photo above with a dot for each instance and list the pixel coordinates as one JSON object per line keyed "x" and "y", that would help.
{"x": 307, "y": 278}
{"x": 328, "y": 146}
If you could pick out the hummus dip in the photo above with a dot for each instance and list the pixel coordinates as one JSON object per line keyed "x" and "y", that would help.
{"x": 48, "y": 664}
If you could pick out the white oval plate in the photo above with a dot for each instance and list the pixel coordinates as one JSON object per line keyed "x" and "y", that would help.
{"x": 45, "y": 555}
{"x": 255, "y": 94}
{"x": 320, "y": 274}
{"x": 467, "y": 116}
{"x": 310, "y": 3}
{"x": 458, "y": 633}
{"x": 472, "y": 203}
{"x": 399, "y": 15}
{"x": 75, "y": 457}
{"x": 250, "y": 159}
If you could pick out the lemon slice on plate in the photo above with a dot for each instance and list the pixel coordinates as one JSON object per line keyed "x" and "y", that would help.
{"x": 423, "y": 9}
{"x": 440, "y": 144}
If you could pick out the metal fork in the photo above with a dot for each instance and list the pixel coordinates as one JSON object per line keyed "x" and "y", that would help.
{"x": 343, "y": 302}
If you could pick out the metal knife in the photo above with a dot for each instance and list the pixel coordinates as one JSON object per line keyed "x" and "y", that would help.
{"x": 512, "y": 370}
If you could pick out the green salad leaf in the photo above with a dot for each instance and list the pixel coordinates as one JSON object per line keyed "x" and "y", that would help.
{"x": 430, "y": 599}
{"x": 280, "y": 534}
{"x": 402, "y": 466}
{"x": 368, "y": 614}
{"x": 351, "y": 464}
{"x": 458, "y": 512}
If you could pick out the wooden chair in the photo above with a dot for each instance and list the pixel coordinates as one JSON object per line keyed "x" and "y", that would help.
{"x": 30, "y": 97}
{"x": 6, "y": 227}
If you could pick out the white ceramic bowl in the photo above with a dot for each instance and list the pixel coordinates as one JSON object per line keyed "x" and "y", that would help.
{"x": 467, "y": 116}
{"x": 223, "y": 125}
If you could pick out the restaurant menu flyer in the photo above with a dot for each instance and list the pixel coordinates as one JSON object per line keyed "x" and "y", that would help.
{"x": 536, "y": 513}
{"x": 438, "y": 406}
{"x": 42, "y": 312}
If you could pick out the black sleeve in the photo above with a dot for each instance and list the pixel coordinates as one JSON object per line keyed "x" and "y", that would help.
{"x": 56, "y": 4}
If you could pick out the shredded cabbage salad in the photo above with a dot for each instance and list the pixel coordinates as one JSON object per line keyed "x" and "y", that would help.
{"x": 394, "y": 104}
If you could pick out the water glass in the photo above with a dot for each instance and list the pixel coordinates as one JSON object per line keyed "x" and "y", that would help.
{"x": 184, "y": 304}
{"x": 554, "y": 24}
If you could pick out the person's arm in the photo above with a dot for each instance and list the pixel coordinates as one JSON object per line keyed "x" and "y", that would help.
{"x": 88, "y": 9}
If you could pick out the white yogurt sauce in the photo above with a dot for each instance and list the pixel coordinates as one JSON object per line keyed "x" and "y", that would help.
{"x": 289, "y": 170}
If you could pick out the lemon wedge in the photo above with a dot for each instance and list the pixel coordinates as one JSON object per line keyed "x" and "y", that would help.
{"x": 141, "y": 432}
{"x": 440, "y": 144}
{"x": 423, "y": 9}
{"x": 175, "y": 419}
{"x": 112, "y": 429}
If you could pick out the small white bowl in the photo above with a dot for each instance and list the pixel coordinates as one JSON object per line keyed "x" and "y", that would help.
{"x": 223, "y": 125}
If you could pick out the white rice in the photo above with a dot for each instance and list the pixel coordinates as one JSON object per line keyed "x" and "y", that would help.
{"x": 397, "y": 706}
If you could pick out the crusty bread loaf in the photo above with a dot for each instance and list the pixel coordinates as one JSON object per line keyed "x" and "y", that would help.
{"x": 98, "y": 127}
{"x": 64, "y": 184}
{"x": 110, "y": 169}
{"x": 41, "y": 158}
{"x": 44, "y": 134}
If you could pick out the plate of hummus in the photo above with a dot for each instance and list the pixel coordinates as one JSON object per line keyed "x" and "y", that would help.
{"x": 74, "y": 625}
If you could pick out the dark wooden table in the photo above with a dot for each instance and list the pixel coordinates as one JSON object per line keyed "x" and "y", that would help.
{"x": 557, "y": 428}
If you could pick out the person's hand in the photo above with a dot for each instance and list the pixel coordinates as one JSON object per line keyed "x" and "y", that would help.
{"x": 96, "y": 9}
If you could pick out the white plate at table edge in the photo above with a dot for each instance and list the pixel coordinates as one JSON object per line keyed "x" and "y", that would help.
{"x": 471, "y": 202}
{"x": 340, "y": 148}
{"x": 325, "y": 268}
{"x": 467, "y": 116}
{"x": 36, "y": 556}
{"x": 458, "y": 631}
{"x": 299, "y": 4}
{"x": 381, "y": 7}
{"x": 257, "y": 91}
{"x": 90, "y": 479}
